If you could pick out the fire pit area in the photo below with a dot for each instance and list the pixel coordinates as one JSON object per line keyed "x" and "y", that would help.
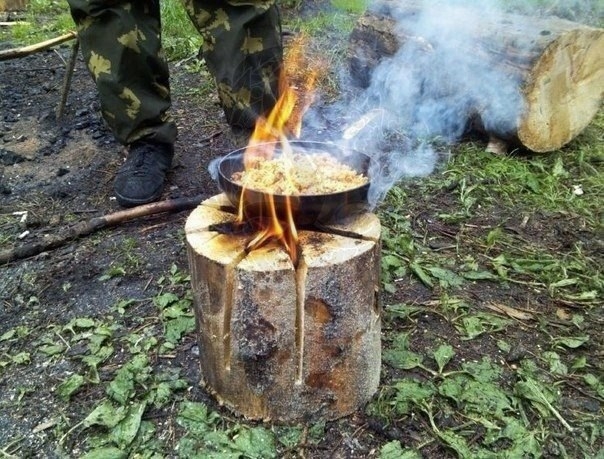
{"x": 281, "y": 339}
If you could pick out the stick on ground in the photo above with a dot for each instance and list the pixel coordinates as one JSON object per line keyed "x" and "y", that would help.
{"x": 88, "y": 227}
{"x": 27, "y": 50}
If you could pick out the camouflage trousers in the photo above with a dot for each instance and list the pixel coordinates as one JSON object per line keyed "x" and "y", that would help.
{"x": 121, "y": 44}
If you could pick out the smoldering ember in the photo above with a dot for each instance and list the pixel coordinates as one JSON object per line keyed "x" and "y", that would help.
{"x": 442, "y": 299}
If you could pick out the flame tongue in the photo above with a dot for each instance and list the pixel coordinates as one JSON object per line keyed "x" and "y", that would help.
{"x": 296, "y": 82}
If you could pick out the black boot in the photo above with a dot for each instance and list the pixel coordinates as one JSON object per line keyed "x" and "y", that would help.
{"x": 141, "y": 179}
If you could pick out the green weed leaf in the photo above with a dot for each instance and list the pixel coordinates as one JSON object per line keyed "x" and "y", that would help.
{"x": 105, "y": 414}
{"x": 108, "y": 452}
{"x": 125, "y": 431}
{"x": 540, "y": 397}
{"x": 402, "y": 311}
{"x": 70, "y": 386}
{"x": 446, "y": 277}
{"x": 479, "y": 275}
{"x": 555, "y": 364}
{"x": 443, "y": 355}
{"x": 476, "y": 325}
{"x": 165, "y": 299}
{"x": 421, "y": 274}
{"x": 394, "y": 450}
{"x": 177, "y": 328}
{"x": 256, "y": 442}
{"x": 595, "y": 383}
{"x": 411, "y": 393}
{"x": 572, "y": 342}
{"x": 399, "y": 356}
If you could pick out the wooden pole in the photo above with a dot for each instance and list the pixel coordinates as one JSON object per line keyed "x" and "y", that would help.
{"x": 27, "y": 50}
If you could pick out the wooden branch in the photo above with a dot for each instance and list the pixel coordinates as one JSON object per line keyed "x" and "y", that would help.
{"x": 13, "y": 23}
{"x": 27, "y": 50}
{"x": 67, "y": 79}
{"x": 88, "y": 227}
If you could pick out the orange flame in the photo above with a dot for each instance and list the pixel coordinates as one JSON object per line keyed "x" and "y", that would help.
{"x": 296, "y": 83}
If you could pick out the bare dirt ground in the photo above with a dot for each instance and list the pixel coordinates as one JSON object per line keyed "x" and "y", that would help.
{"x": 60, "y": 172}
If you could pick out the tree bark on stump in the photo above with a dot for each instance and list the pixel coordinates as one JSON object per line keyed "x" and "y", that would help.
{"x": 282, "y": 342}
{"x": 557, "y": 65}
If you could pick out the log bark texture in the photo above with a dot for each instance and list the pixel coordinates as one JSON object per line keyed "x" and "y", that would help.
{"x": 557, "y": 65}
{"x": 286, "y": 343}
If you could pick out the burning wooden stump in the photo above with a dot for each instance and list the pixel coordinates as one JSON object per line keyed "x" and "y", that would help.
{"x": 556, "y": 66}
{"x": 279, "y": 341}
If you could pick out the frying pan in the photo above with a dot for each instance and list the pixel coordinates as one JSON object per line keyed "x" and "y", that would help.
{"x": 306, "y": 209}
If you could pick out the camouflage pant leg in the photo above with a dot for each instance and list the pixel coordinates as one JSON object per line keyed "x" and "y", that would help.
{"x": 121, "y": 44}
{"x": 243, "y": 50}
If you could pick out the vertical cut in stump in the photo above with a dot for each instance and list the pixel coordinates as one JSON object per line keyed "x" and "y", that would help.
{"x": 281, "y": 342}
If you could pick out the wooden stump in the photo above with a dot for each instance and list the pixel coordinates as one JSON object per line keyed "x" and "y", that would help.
{"x": 557, "y": 66}
{"x": 286, "y": 343}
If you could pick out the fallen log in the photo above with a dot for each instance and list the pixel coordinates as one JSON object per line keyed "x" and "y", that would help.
{"x": 554, "y": 66}
{"x": 85, "y": 228}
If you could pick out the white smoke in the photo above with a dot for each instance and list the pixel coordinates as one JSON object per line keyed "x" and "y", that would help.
{"x": 441, "y": 77}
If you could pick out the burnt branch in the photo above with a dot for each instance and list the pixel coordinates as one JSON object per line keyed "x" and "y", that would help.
{"x": 85, "y": 228}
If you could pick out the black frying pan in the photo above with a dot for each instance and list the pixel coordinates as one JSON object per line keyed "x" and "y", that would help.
{"x": 306, "y": 209}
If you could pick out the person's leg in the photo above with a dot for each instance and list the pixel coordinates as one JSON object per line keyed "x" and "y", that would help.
{"x": 121, "y": 45}
{"x": 243, "y": 50}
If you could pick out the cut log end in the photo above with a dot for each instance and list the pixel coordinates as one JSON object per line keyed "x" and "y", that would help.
{"x": 564, "y": 90}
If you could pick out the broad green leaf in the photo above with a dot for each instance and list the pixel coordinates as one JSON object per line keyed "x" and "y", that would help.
{"x": 83, "y": 322}
{"x": 442, "y": 355}
{"x": 51, "y": 349}
{"x": 105, "y": 414}
{"x": 564, "y": 283}
{"x": 558, "y": 170}
{"x": 484, "y": 370}
{"x": 475, "y": 325}
{"x": 70, "y": 386}
{"x": 8, "y": 335}
{"x": 125, "y": 431}
{"x": 457, "y": 443}
{"x": 121, "y": 388}
{"x": 595, "y": 383}
{"x": 399, "y": 356}
{"x": 256, "y": 442}
{"x": 572, "y": 342}
{"x": 402, "y": 359}
{"x": 21, "y": 358}
{"x": 177, "y": 328}
{"x": 411, "y": 393}
{"x": 476, "y": 398}
{"x": 195, "y": 417}
{"x": 555, "y": 364}
{"x": 421, "y": 274}
{"x": 108, "y": 452}
{"x": 540, "y": 396}
{"x": 394, "y": 450}
{"x": 479, "y": 275}
{"x": 165, "y": 299}
{"x": 579, "y": 363}
{"x": 504, "y": 345}
{"x": 446, "y": 277}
